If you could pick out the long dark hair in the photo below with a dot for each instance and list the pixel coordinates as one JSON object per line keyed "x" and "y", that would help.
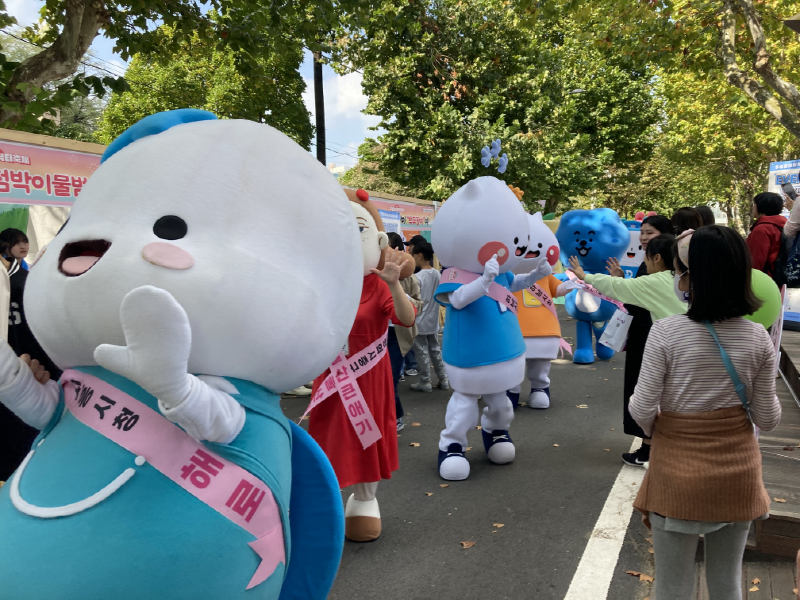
{"x": 720, "y": 275}
{"x": 659, "y": 222}
{"x": 686, "y": 218}
{"x": 9, "y": 238}
{"x": 706, "y": 214}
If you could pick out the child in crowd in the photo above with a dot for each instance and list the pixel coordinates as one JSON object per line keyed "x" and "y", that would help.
{"x": 705, "y": 471}
{"x": 426, "y": 344}
{"x": 766, "y": 240}
{"x": 401, "y": 339}
{"x": 651, "y": 292}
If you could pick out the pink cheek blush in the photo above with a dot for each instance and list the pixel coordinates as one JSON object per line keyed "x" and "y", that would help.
{"x": 168, "y": 256}
{"x": 552, "y": 255}
{"x": 489, "y": 250}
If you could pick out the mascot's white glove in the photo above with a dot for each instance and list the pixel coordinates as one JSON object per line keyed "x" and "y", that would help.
{"x": 472, "y": 291}
{"x": 159, "y": 341}
{"x": 565, "y": 288}
{"x": 521, "y": 282}
{"x": 30, "y": 400}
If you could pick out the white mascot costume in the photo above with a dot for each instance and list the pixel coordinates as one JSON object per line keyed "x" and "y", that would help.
{"x": 481, "y": 233}
{"x": 185, "y": 292}
{"x": 537, "y": 315}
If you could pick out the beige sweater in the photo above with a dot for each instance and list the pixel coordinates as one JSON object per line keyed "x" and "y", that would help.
{"x": 406, "y": 335}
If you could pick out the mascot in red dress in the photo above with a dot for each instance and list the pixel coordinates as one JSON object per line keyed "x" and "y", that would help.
{"x": 356, "y": 425}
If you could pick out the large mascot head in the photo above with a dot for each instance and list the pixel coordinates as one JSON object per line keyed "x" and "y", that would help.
{"x": 374, "y": 241}
{"x": 482, "y": 219}
{"x": 241, "y": 225}
{"x": 593, "y": 236}
{"x": 543, "y": 246}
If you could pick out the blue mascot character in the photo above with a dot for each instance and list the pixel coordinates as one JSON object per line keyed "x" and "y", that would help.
{"x": 165, "y": 467}
{"x": 593, "y": 236}
{"x": 634, "y": 255}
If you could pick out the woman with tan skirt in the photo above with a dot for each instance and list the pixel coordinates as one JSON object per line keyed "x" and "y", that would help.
{"x": 705, "y": 464}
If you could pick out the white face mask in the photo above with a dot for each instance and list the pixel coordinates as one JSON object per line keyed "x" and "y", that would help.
{"x": 682, "y": 296}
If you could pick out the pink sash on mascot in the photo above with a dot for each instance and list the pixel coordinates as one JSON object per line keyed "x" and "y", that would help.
{"x": 342, "y": 379}
{"x": 224, "y": 486}
{"x": 496, "y": 291}
{"x": 590, "y": 290}
{"x": 545, "y": 299}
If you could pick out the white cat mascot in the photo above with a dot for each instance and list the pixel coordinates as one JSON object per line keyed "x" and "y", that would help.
{"x": 185, "y": 292}
{"x": 481, "y": 233}
{"x": 537, "y": 315}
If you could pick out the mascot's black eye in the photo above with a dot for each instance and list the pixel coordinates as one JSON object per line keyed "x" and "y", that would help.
{"x": 516, "y": 241}
{"x": 640, "y": 247}
{"x": 540, "y": 245}
{"x": 170, "y": 228}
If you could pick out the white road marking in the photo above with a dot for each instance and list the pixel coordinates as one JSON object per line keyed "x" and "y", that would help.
{"x": 593, "y": 576}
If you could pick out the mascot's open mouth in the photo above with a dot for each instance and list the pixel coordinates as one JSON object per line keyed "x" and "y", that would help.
{"x": 631, "y": 254}
{"x": 583, "y": 250}
{"x": 78, "y": 257}
{"x": 520, "y": 251}
{"x": 533, "y": 254}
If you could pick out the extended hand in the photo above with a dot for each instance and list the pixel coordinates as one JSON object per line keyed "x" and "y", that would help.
{"x": 392, "y": 265}
{"x": 491, "y": 269}
{"x": 40, "y": 374}
{"x": 542, "y": 270}
{"x": 159, "y": 340}
{"x": 613, "y": 268}
{"x": 788, "y": 203}
{"x": 576, "y": 267}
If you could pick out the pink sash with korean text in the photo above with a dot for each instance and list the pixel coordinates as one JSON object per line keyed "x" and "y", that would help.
{"x": 496, "y": 291}
{"x": 544, "y": 298}
{"x": 342, "y": 379}
{"x": 591, "y": 290}
{"x": 224, "y": 486}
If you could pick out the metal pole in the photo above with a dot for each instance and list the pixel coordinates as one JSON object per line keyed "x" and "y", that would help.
{"x": 319, "y": 109}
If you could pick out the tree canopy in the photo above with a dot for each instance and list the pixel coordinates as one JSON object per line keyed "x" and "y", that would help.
{"x": 448, "y": 77}
{"x": 253, "y": 30}
{"x": 200, "y": 75}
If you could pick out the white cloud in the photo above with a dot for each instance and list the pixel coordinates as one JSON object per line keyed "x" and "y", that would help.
{"x": 25, "y": 11}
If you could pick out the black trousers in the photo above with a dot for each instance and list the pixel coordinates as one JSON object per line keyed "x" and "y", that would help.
{"x": 396, "y": 359}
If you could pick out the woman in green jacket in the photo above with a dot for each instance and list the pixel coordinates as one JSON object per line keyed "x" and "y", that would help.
{"x": 654, "y": 293}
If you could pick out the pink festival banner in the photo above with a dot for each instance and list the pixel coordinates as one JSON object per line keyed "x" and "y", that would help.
{"x": 35, "y": 174}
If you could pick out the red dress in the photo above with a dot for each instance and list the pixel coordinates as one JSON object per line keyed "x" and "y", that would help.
{"x": 329, "y": 424}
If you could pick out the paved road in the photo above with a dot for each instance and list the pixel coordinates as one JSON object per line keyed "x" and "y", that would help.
{"x": 548, "y": 501}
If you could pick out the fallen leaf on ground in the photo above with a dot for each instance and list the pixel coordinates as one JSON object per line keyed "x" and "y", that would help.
{"x": 633, "y": 573}
{"x": 415, "y": 444}
{"x": 429, "y": 493}
{"x": 756, "y": 581}
{"x": 444, "y": 485}
{"x": 648, "y": 578}
{"x": 795, "y": 591}
{"x": 789, "y": 448}
{"x": 779, "y": 500}
{"x": 650, "y": 550}
{"x": 416, "y": 424}
{"x": 306, "y": 418}
{"x": 581, "y": 406}
{"x": 607, "y": 449}
{"x": 466, "y": 545}
{"x": 556, "y": 445}
{"x": 753, "y": 589}
{"x": 498, "y": 525}
{"x": 593, "y": 368}
{"x": 468, "y": 448}
{"x": 478, "y": 427}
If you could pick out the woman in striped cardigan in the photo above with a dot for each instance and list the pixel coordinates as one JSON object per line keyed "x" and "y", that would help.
{"x": 705, "y": 464}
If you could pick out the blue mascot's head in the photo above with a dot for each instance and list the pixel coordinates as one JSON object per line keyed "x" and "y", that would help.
{"x": 593, "y": 236}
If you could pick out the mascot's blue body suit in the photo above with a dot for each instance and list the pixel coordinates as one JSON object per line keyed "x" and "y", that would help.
{"x": 164, "y": 448}
{"x": 593, "y": 236}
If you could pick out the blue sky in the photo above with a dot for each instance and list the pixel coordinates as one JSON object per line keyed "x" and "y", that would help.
{"x": 346, "y": 125}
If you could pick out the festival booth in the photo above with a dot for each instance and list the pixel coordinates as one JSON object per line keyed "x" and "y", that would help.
{"x": 404, "y": 215}
{"x": 40, "y": 177}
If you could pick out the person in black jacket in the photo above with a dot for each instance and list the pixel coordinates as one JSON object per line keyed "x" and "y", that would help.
{"x": 637, "y": 338}
{"x": 15, "y": 436}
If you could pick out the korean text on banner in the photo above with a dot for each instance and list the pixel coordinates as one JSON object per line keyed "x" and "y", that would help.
{"x": 31, "y": 174}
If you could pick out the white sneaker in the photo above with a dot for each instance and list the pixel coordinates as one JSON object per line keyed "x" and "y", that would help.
{"x": 300, "y": 391}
